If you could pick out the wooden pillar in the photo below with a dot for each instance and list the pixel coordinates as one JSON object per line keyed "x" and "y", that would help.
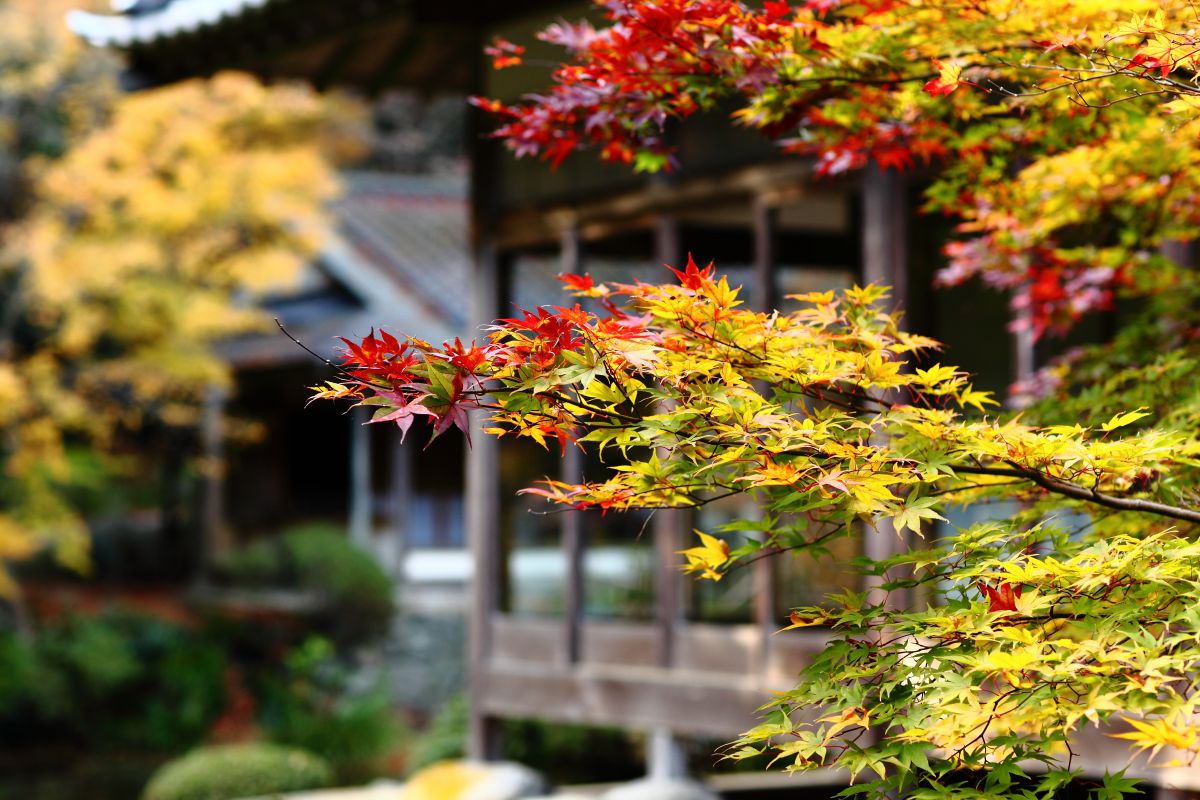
{"x": 766, "y": 224}
{"x": 482, "y": 523}
{"x": 885, "y": 230}
{"x": 214, "y": 535}
{"x": 360, "y": 478}
{"x": 885, "y": 261}
{"x": 399, "y": 502}
{"x": 664, "y": 756}
{"x": 766, "y": 220}
{"x": 668, "y": 524}
{"x": 571, "y": 525}
{"x": 1024, "y": 354}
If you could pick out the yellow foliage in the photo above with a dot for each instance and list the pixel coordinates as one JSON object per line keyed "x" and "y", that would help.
{"x": 142, "y": 242}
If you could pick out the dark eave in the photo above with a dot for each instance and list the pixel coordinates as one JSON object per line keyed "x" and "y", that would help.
{"x": 427, "y": 45}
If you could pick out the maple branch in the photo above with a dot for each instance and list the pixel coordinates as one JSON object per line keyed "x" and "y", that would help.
{"x": 311, "y": 352}
{"x": 1089, "y": 495}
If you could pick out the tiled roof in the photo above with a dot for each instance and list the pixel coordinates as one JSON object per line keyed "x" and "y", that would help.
{"x": 399, "y": 259}
{"x": 147, "y": 21}
{"x": 415, "y": 228}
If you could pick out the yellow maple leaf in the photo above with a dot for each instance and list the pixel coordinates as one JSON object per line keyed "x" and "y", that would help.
{"x": 706, "y": 559}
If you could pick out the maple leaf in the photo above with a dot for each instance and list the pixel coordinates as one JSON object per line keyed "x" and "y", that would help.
{"x": 776, "y": 10}
{"x": 577, "y": 283}
{"x": 1001, "y": 597}
{"x": 948, "y": 79}
{"x": 398, "y": 409}
{"x": 692, "y": 277}
{"x": 468, "y": 359}
{"x": 708, "y": 558}
{"x": 504, "y": 53}
{"x": 913, "y": 513}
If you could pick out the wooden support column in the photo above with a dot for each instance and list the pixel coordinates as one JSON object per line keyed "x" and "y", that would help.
{"x": 766, "y": 220}
{"x": 766, "y": 225}
{"x": 400, "y": 495}
{"x": 1024, "y": 354}
{"x": 668, "y": 523}
{"x": 665, "y": 757}
{"x": 482, "y": 523}
{"x": 885, "y": 261}
{"x": 571, "y": 525}
{"x": 214, "y": 535}
{"x": 885, "y": 231}
{"x": 360, "y": 478}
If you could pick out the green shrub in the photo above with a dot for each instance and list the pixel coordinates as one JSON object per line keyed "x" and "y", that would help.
{"x": 117, "y": 680}
{"x": 357, "y": 593}
{"x": 227, "y": 772}
{"x": 311, "y": 704}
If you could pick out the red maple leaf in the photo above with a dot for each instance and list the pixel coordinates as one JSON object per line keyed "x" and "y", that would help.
{"x": 776, "y": 10}
{"x": 692, "y": 276}
{"x": 577, "y": 283}
{"x": 403, "y": 410}
{"x": 1001, "y": 597}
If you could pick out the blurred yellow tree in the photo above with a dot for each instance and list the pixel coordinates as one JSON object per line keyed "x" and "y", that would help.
{"x": 144, "y": 239}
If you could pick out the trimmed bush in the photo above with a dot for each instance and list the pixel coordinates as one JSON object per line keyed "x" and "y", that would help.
{"x": 232, "y": 771}
{"x": 357, "y": 593}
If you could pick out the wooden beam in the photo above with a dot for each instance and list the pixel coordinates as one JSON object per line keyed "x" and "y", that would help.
{"x": 643, "y": 206}
{"x": 400, "y": 55}
{"x": 332, "y": 69}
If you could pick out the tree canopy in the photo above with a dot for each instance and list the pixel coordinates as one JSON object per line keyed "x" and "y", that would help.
{"x": 141, "y": 228}
{"x": 1062, "y": 137}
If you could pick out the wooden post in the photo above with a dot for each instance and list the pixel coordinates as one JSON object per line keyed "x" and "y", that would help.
{"x": 214, "y": 536}
{"x": 483, "y": 529}
{"x": 482, "y": 481}
{"x": 885, "y": 231}
{"x": 668, "y": 523}
{"x": 885, "y": 261}
{"x": 665, "y": 754}
{"x": 360, "y": 478}
{"x": 1024, "y": 354}
{"x": 399, "y": 502}
{"x": 766, "y": 223}
{"x": 571, "y": 523}
{"x": 766, "y": 219}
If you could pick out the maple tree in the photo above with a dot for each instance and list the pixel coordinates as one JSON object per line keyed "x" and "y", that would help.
{"x": 1062, "y": 135}
{"x": 137, "y": 229}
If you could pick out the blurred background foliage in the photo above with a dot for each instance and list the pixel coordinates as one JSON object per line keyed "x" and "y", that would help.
{"x": 354, "y": 596}
{"x": 137, "y": 229}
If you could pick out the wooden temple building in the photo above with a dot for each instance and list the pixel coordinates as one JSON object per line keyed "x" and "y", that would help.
{"x": 576, "y": 617}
